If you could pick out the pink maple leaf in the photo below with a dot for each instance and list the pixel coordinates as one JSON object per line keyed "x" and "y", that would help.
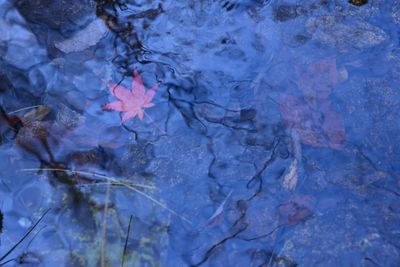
{"x": 133, "y": 101}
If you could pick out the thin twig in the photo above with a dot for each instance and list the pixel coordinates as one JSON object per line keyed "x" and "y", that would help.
{"x": 126, "y": 241}
{"x": 264, "y": 235}
{"x": 21, "y": 256}
{"x": 25, "y": 236}
{"x": 155, "y": 124}
{"x": 4, "y": 263}
{"x": 104, "y": 228}
{"x": 158, "y": 203}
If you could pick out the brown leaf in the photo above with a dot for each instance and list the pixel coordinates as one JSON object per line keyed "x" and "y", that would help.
{"x": 296, "y": 210}
{"x": 319, "y": 128}
{"x": 37, "y": 114}
{"x": 318, "y": 80}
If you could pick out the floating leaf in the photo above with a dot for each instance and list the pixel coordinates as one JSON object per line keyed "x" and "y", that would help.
{"x": 132, "y": 102}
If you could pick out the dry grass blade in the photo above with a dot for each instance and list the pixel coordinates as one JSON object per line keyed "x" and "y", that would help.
{"x": 104, "y": 228}
{"x": 158, "y": 203}
{"x": 21, "y": 109}
{"x": 132, "y": 187}
{"x": 125, "y": 184}
{"x": 23, "y": 238}
{"x": 107, "y": 179}
{"x": 155, "y": 124}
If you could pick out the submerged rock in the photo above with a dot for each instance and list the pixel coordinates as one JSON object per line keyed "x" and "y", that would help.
{"x": 85, "y": 38}
{"x": 56, "y": 21}
{"x": 396, "y": 12}
{"x": 358, "y": 2}
{"x": 344, "y": 34}
{"x": 286, "y": 12}
{"x": 65, "y": 16}
{"x": 69, "y": 118}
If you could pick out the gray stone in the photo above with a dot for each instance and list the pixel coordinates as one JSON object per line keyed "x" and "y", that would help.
{"x": 344, "y": 34}
{"x": 85, "y": 38}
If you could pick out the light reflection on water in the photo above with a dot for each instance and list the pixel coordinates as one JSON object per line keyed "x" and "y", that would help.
{"x": 272, "y": 140}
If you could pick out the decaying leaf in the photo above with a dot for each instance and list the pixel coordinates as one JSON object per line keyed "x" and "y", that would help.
{"x": 296, "y": 210}
{"x": 290, "y": 179}
{"x": 311, "y": 114}
{"x": 36, "y": 114}
{"x": 133, "y": 101}
{"x": 318, "y": 79}
{"x": 33, "y": 139}
{"x": 319, "y": 128}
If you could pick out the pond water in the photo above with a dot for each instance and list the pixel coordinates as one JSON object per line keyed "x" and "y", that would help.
{"x": 199, "y": 133}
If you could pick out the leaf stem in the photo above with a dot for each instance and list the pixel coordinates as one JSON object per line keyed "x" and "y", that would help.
{"x": 155, "y": 124}
{"x": 25, "y": 236}
{"x": 21, "y": 109}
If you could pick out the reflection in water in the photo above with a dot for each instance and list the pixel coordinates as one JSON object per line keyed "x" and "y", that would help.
{"x": 271, "y": 138}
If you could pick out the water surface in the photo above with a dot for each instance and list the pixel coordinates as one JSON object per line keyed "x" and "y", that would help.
{"x": 273, "y": 139}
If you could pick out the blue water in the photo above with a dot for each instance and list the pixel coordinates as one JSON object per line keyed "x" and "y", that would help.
{"x": 273, "y": 139}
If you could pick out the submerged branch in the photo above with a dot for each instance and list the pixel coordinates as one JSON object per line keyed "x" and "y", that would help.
{"x": 24, "y": 237}
{"x": 126, "y": 241}
{"x": 104, "y": 228}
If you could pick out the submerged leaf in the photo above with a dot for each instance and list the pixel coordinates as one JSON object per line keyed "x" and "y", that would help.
{"x": 311, "y": 114}
{"x": 318, "y": 80}
{"x": 319, "y": 128}
{"x": 296, "y": 210}
{"x": 37, "y": 114}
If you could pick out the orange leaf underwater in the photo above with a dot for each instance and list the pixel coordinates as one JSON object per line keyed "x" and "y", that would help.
{"x": 133, "y": 101}
{"x": 311, "y": 113}
{"x": 296, "y": 209}
{"x": 318, "y": 128}
{"x": 318, "y": 79}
